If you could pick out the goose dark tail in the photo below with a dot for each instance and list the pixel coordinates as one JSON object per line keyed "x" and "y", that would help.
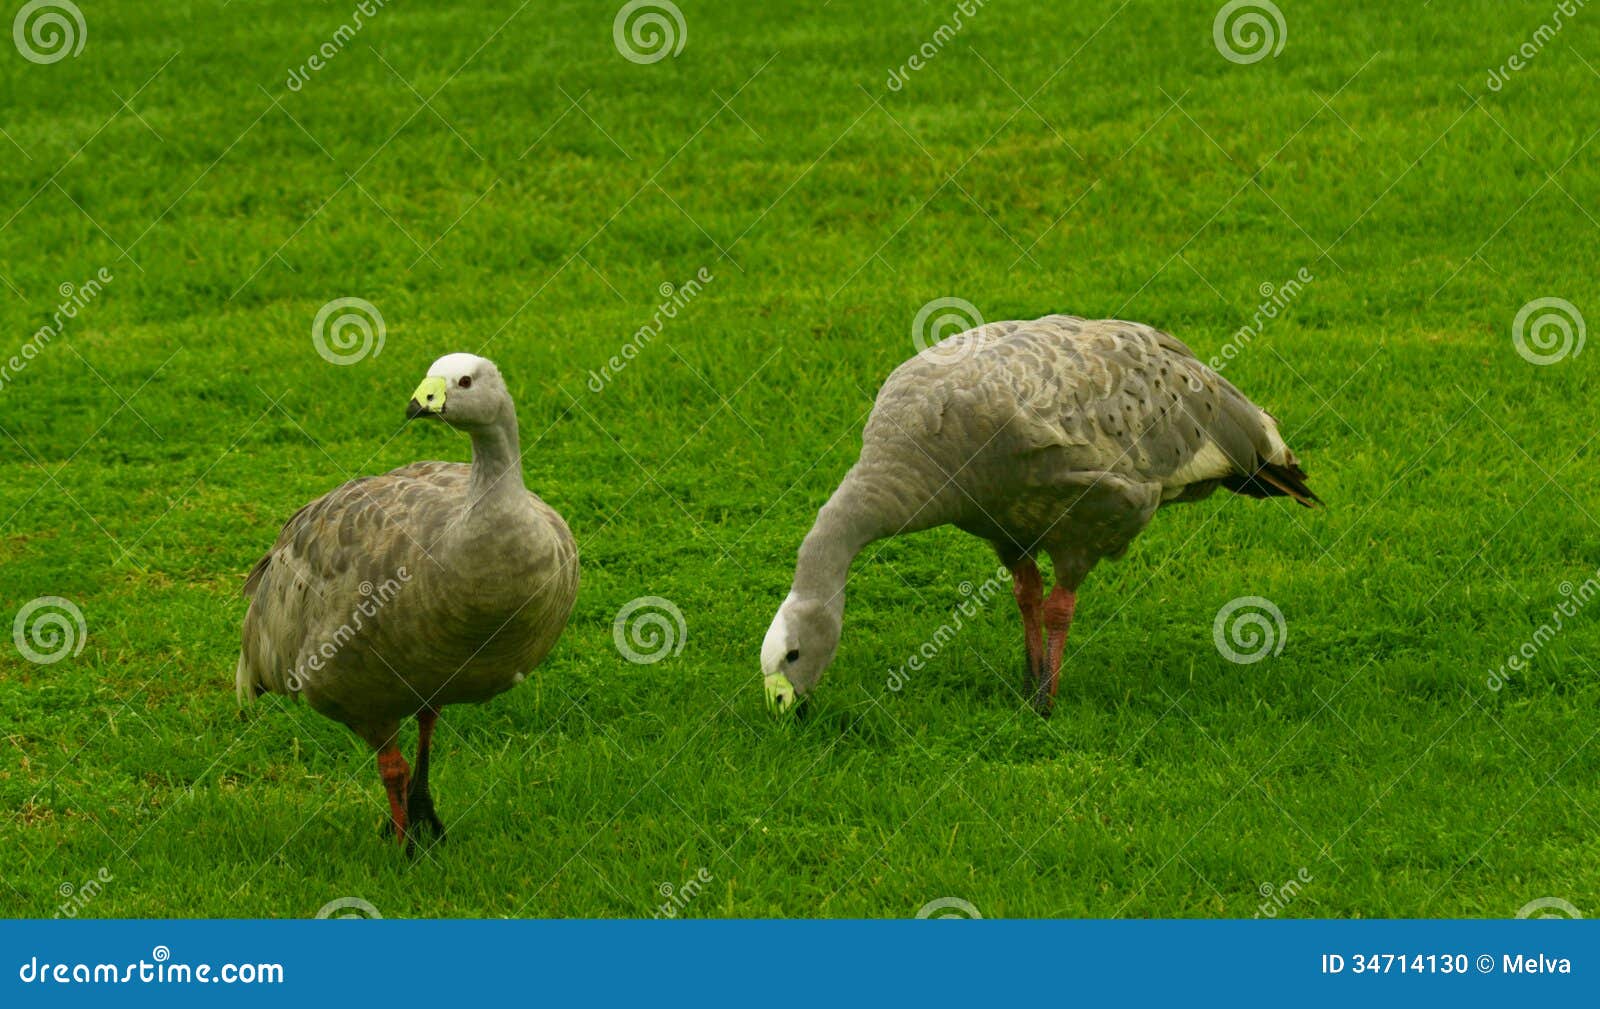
{"x": 1274, "y": 480}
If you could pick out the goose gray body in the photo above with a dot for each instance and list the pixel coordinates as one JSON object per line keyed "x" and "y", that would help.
{"x": 433, "y": 584}
{"x": 390, "y": 593}
{"x": 1059, "y": 435}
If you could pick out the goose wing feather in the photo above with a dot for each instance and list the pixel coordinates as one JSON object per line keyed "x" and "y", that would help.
{"x": 1098, "y": 395}
{"x": 332, "y": 554}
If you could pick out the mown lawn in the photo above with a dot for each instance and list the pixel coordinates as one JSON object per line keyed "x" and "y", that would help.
{"x": 497, "y": 177}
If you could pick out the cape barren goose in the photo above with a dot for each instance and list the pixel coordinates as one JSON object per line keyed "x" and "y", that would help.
{"x": 1061, "y": 435}
{"x": 436, "y": 583}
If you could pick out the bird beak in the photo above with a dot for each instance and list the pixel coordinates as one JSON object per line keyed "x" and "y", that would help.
{"x": 780, "y": 693}
{"x": 428, "y": 399}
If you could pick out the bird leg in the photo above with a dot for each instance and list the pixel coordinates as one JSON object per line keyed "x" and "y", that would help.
{"x": 419, "y": 802}
{"x": 1057, "y": 619}
{"x": 392, "y": 767}
{"x": 1028, "y": 587}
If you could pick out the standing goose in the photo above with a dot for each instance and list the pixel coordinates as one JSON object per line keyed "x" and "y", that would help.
{"x": 436, "y": 583}
{"x": 1062, "y": 435}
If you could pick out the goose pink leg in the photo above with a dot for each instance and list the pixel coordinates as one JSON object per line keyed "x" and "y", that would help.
{"x": 1057, "y": 620}
{"x": 396, "y": 777}
{"x": 1027, "y": 585}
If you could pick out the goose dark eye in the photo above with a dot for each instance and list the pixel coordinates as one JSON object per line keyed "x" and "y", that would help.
{"x": 466, "y": 382}
{"x": 794, "y": 653}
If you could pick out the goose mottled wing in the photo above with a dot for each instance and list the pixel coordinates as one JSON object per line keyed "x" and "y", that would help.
{"x": 1130, "y": 399}
{"x": 341, "y": 529}
{"x": 363, "y": 531}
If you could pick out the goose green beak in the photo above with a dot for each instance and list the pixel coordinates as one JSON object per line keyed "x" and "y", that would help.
{"x": 780, "y": 693}
{"x": 428, "y": 399}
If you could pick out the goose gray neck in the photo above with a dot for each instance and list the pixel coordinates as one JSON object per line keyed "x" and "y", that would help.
{"x": 497, "y": 464}
{"x": 853, "y": 517}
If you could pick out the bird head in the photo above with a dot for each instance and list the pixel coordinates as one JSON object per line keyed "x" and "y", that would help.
{"x": 798, "y": 648}
{"x": 463, "y": 390}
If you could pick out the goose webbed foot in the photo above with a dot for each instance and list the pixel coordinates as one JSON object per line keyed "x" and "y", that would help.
{"x": 417, "y": 815}
{"x": 1043, "y": 699}
{"x": 421, "y": 814}
{"x": 1039, "y": 694}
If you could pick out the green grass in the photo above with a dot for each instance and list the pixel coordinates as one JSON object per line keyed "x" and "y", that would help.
{"x": 150, "y": 454}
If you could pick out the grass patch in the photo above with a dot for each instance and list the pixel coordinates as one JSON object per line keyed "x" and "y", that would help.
{"x": 496, "y": 177}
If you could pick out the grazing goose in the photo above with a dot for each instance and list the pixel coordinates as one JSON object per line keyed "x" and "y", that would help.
{"x": 1061, "y": 435}
{"x": 436, "y": 583}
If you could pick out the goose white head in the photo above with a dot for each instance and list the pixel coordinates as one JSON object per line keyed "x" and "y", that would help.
{"x": 797, "y": 649}
{"x": 463, "y": 390}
